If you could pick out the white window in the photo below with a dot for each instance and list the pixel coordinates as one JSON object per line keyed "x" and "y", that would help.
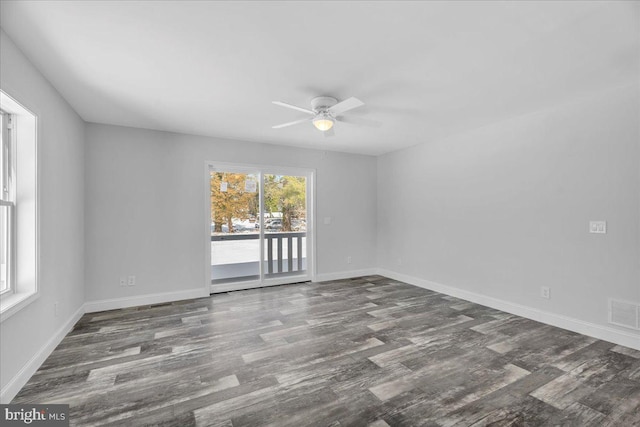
{"x": 18, "y": 207}
{"x": 7, "y": 203}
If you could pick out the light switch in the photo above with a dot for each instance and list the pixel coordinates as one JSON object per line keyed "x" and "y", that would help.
{"x": 598, "y": 227}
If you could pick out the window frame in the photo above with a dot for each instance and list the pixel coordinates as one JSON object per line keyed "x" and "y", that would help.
{"x": 25, "y": 131}
{"x": 8, "y": 195}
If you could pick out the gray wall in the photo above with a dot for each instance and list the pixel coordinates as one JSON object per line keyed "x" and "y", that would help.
{"x": 61, "y": 160}
{"x": 145, "y": 207}
{"x": 504, "y": 209}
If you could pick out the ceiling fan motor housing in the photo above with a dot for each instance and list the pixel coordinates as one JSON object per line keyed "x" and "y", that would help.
{"x": 322, "y": 103}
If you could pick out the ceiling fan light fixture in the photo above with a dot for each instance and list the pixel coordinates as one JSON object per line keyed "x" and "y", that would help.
{"x": 324, "y": 110}
{"x": 323, "y": 122}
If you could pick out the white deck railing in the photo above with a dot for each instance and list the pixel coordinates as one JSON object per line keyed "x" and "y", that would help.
{"x": 274, "y": 250}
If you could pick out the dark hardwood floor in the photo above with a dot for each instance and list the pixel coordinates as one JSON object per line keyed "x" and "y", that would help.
{"x": 366, "y": 351}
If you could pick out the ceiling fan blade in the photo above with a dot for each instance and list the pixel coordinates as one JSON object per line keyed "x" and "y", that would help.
{"x": 284, "y": 125}
{"x": 329, "y": 133}
{"x": 346, "y": 105}
{"x": 293, "y": 107}
{"x": 360, "y": 121}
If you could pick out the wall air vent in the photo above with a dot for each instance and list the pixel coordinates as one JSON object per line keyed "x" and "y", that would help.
{"x": 624, "y": 313}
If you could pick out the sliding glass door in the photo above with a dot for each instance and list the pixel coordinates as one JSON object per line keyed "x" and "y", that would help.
{"x": 235, "y": 233}
{"x": 260, "y": 225}
{"x": 284, "y": 218}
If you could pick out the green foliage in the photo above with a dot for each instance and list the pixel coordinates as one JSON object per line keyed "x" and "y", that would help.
{"x": 285, "y": 194}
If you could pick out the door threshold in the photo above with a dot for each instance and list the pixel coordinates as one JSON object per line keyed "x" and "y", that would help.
{"x": 242, "y": 286}
{"x": 236, "y": 280}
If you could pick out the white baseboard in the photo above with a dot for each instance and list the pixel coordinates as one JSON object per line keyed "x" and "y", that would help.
{"x": 627, "y": 339}
{"x": 345, "y": 275}
{"x": 11, "y": 389}
{"x": 134, "y": 301}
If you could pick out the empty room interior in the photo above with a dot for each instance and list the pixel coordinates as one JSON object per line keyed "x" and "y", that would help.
{"x": 305, "y": 213}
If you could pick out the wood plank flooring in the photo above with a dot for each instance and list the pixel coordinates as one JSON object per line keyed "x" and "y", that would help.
{"x": 366, "y": 351}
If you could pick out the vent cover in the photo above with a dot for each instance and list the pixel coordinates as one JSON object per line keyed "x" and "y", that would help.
{"x": 624, "y": 313}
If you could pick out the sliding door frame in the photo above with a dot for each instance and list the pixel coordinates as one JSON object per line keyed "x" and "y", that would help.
{"x": 261, "y": 171}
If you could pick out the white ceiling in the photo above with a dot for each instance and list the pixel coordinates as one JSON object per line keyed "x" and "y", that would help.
{"x": 425, "y": 70}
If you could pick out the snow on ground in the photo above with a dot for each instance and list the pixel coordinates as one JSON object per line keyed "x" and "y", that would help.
{"x": 237, "y": 251}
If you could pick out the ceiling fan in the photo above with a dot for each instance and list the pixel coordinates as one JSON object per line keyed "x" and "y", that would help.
{"x": 324, "y": 112}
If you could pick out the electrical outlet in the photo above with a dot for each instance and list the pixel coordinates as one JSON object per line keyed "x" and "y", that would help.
{"x": 131, "y": 280}
{"x": 545, "y": 292}
{"x": 123, "y": 281}
{"x": 348, "y": 260}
